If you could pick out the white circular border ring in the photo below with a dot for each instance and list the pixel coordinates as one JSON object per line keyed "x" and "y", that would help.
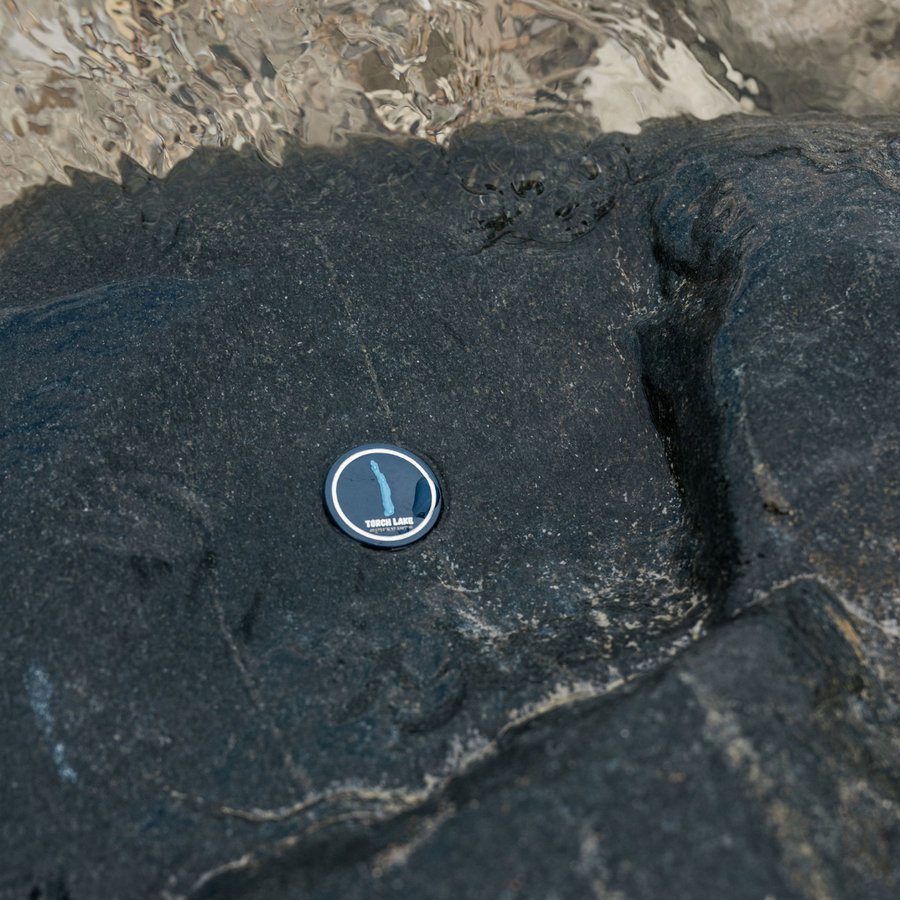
{"x": 359, "y": 534}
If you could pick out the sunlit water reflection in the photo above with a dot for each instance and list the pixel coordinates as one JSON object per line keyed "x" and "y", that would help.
{"x": 83, "y": 83}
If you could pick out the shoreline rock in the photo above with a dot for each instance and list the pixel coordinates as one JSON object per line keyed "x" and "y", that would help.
{"x": 656, "y": 377}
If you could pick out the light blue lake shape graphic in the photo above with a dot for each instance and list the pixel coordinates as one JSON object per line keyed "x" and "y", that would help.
{"x": 386, "y": 501}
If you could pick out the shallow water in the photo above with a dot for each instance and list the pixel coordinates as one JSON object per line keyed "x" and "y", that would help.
{"x": 83, "y": 83}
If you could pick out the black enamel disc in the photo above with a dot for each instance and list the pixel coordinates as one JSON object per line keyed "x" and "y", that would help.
{"x": 382, "y": 496}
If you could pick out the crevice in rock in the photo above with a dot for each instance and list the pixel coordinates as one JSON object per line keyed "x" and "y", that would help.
{"x": 675, "y": 351}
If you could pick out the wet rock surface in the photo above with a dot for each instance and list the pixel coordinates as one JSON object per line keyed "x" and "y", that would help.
{"x": 650, "y": 647}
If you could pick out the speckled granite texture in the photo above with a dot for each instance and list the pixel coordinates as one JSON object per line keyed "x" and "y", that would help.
{"x": 650, "y": 649}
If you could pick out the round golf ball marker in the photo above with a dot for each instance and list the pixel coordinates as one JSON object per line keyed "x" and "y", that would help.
{"x": 382, "y": 495}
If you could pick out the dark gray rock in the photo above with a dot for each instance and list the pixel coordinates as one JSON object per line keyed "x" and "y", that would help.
{"x": 727, "y": 775}
{"x": 648, "y": 650}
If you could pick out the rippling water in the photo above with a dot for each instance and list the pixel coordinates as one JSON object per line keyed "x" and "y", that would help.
{"x": 82, "y": 83}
